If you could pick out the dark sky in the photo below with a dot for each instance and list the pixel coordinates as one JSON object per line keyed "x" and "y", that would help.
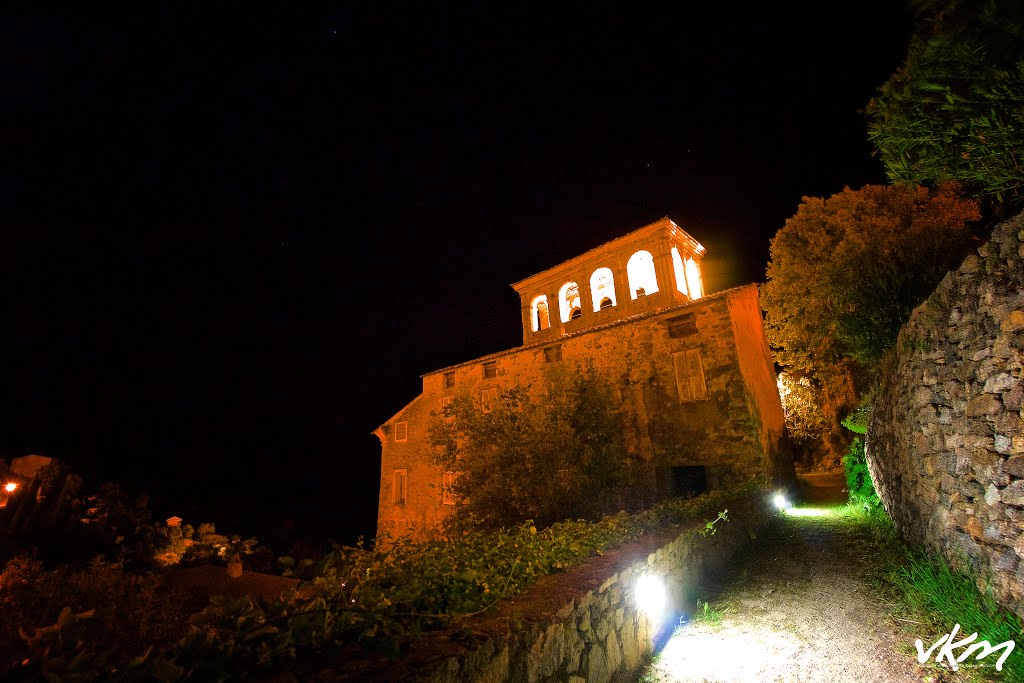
{"x": 233, "y": 239}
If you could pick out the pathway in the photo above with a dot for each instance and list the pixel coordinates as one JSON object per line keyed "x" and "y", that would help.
{"x": 796, "y": 609}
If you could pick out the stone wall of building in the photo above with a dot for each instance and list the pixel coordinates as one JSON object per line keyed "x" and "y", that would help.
{"x": 945, "y": 446}
{"x": 733, "y": 432}
{"x": 582, "y": 625}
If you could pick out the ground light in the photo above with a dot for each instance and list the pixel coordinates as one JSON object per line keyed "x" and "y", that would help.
{"x": 810, "y": 512}
{"x": 780, "y": 501}
{"x": 10, "y": 486}
{"x": 743, "y": 655}
{"x": 650, "y": 597}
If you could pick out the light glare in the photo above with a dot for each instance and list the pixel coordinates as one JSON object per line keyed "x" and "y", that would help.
{"x": 650, "y": 596}
{"x": 809, "y": 512}
{"x": 780, "y": 502}
{"x": 10, "y": 486}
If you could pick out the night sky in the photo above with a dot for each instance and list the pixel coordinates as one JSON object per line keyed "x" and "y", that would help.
{"x": 234, "y": 239}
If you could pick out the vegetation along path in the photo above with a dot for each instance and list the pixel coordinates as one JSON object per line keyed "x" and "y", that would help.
{"x": 798, "y": 608}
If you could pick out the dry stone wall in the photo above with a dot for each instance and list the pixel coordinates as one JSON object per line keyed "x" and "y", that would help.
{"x": 945, "y": 446}
{"x": 584, "y": 625}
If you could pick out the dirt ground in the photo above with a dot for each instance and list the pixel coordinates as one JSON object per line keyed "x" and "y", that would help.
{"x": 796, "y": 609}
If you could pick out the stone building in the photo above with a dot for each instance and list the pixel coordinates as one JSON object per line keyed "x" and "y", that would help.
{"x": 693, "y": 373}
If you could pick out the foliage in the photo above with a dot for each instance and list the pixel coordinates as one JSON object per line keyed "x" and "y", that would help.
{"x": 708, "y": 615}
{"x": 928, "y": 586}
{"x": 955, "y": 108}
{"x": 845, "y": 273}
{"x": 859, "y": 487}
{"x": 709, "y": 528}
{"x": 72, "y": 620}
{"x": 184, "y": 544}
{"x": 898, "y": 241}
{"x": 525, "y": 458}
{"x": 801, "y": 403}
{"x": 373, "y": 600}
{"x": 857, "y": 421}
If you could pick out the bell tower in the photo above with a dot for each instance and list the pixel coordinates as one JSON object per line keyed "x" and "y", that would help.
{"x": 653, "y": 268}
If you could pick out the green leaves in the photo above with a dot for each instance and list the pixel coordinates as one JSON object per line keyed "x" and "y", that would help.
{"x": 544, "y": 460}
{"x": 955, "y": 109}
{"x": 374, "y": 600}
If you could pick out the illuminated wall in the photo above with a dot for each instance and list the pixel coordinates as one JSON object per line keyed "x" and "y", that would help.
{"x": 653, "y": 268}
{"x": 728, "y": 420}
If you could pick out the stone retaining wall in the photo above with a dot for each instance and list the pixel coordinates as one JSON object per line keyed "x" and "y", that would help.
{"x": 945, "y": 446}
{"x": 583, "y": 625}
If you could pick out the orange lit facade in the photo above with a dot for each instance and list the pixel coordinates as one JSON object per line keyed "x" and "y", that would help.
{"x": 692, "y": 372}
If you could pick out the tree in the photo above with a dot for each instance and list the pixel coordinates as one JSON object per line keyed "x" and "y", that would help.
{"x": 543, "y": 457}
{"x": 955, "y": 109}
{"x": 845, "y": 272}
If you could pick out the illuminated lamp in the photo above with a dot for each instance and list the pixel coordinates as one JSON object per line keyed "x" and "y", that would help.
{"x": 780, "y": 501}
{"x": 650, "y": 596}
{"x": 10, "y": 486}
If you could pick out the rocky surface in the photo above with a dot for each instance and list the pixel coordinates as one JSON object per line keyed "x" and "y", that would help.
{"x": 945, "y": 446}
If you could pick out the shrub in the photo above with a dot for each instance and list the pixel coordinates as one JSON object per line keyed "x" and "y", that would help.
{"x": 73, "y": 621}
{"x": 860, "y": 489}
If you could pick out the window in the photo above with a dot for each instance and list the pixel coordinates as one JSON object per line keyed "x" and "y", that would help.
{"x": 488, "y": 399}
{"x": 682, "y": 326}
{"x": 446, "y": 402}
{"x": 541, "y": 320}
{"x": 490, "y": 369}
{"x": 569, "y": 302}
{"x": 449, "y": 380}
{"x": 447, "y": 483}
{"x": 401, "y": 431}
{"x": 553, "y": 353}
{"x": 399, "y": 487}
{"x": 602, "y": 287}
{"x": 690, "y": 375}
{"x": 640, "y": 271}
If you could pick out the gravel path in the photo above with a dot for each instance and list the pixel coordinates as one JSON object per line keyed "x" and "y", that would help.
{"x": 796, "y": 609}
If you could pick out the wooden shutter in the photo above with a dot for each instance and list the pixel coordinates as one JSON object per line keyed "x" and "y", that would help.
{"x": 689, "y": 370}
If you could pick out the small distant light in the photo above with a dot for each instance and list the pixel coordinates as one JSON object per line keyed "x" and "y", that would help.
{"x": 10, "y": 486}
{"x": 780, "y": 501}
{"x": 650, "y": 596}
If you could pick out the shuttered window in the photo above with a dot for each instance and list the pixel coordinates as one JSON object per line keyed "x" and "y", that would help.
{"x": 447, "y": 483}
{"x": 689, "y": 370}
{"x": 399, "y": 485}
{"x": 682, "y": 326}
{"x": 488, "y": 399}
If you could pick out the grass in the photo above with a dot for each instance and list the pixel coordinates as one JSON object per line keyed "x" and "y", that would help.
{"x": 927, "y": 597}
{"x": 706, "y": 614}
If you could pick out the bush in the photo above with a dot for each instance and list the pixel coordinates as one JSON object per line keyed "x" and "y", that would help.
{"x": 72, "y": 621}
{"x": 543, "y": 460}
{"x": 860, "y": 489}
{"x": 99, "y": 623}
